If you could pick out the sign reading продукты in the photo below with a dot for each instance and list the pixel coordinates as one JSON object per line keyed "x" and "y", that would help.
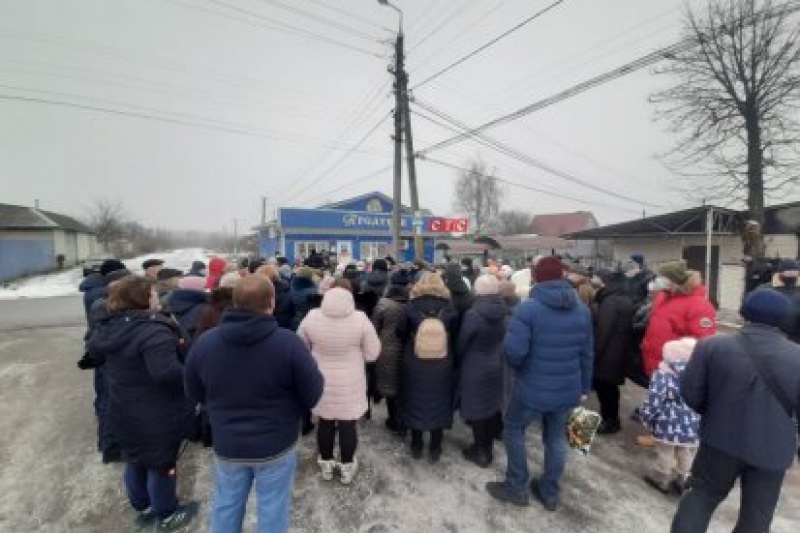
{"x": 448, "y": 225}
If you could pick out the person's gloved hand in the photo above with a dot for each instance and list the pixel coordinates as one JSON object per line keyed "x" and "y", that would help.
{"x": 86, "y": 362}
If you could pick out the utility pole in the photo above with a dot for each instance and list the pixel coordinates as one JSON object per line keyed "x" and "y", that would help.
{"x": 263, "y": 211}
{"x": 398, "y": 142}
{"x": 412, "y": 167}
{"x": 235, "y": 235}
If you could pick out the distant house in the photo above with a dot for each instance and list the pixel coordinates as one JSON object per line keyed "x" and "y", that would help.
{"x": 558, "y": 224}
{"x": 31, "y": 241}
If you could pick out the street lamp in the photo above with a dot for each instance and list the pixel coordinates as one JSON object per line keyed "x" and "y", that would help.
{"x": 389, "y": 4}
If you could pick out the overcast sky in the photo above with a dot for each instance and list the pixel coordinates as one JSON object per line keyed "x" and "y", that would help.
{"x": 189, "y": 111}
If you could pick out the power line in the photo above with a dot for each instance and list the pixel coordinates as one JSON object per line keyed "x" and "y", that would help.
{"x": 349, "y": 14}
{"x": 528, "y": 160}
{"x": 324, "y": 20}
{"x": 441, "y": 25}
{"x": 358, "y": 181}
{"x": 624, "y": 70}
{"x": 200, "y": 122}
{"x": 490, "y": 43}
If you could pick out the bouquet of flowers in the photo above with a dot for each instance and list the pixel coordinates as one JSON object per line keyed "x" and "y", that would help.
{"x": 581, "y": 428}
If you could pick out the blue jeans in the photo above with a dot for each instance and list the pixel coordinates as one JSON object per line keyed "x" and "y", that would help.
{"x": 518, "y": 418}
{"x": 274, "y": 480}
{"x": 151, "y": 487}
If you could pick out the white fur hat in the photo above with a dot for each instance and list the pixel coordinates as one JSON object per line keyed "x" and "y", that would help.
{"x": 486, "y": 284}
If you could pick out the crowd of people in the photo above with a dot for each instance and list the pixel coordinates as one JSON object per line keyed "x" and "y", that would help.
{"x": 247, "y": 358}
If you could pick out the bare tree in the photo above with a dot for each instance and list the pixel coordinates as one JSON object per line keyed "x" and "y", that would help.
{"x": 512, "y": 222}
{"x": 107, "y": 219}
{"x": 478, "y": 194}
{"x": 734, "y": 104}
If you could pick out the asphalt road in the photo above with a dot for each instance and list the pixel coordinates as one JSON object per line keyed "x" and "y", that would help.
{"x": 52, "y": 479}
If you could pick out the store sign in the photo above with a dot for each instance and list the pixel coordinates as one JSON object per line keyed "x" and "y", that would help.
{"x": 352, "y": 220}
{"x": 331, "y": 219}
{"x": 448, "y": 225}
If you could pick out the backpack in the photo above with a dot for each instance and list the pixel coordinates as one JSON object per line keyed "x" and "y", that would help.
{"x": 431, "y": 341}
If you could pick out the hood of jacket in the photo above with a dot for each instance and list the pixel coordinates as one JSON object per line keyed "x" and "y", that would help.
{"x": 556, "y": 294}
{"x": 119, "y": 329}
{"x": 455, "y": 283}
{"x": 245, "y": 328}
{"x": 92, "y": 281}
{"x": 377, "y": 279}
{"x": 338, "y": 303}
{"x": 216, "y": 266}
{"x": 300, "y": 283}
{"x": 181, "y": 300}
{"x": 429, "y": 304}
{"x": 490, "y": 307}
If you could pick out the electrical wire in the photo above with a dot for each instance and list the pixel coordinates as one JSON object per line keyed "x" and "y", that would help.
{"x": 447, "y": 20}
{"x": 349, "y": 14}
{"x": 323, "y": 20}
{"x": 633, "y": 66}
{"x": 358, "y": 181}
{"x": 528, "y": 160}
{"x": 488, "y": 44}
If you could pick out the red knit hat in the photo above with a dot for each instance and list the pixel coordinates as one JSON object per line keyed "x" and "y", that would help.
{"x": 548, "y": 269}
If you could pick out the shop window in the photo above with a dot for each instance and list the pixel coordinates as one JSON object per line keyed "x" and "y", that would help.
{"x": 302, "y": 250}
{"x": 373, "y": 250}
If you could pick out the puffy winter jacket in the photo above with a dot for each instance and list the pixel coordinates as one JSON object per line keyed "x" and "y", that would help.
{"x": 187, "y": 305}
{"x": 303, "y": 290}
{"x": 389, "y": 319}
{"x": 673, "y": 316}
{"x": 94, "y": 287}
{"x": 284, "y": 306}
{"x": 341, "y": 340}
{"x": 550, "y": 347}
{"x": 664, "y": 410}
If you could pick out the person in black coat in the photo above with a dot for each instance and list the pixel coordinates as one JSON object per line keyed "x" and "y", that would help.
{"x": 284, "y": 305}
{"x": 303, "y": 290}
{"x": 480, "y": 349}
{"x": 377, "y": 280}
{"x": 427, "y": 398}
{"x": 785, "y": 282}
{"x": 612, "y": 340}
{"x": 150, "y": 415}
{"x": 745, "y": 431}
{"x": 187, "y": 303}
{"x": 460, "y": 294}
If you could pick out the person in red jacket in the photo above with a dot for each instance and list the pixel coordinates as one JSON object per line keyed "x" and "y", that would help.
{"x": 683, "y": 310}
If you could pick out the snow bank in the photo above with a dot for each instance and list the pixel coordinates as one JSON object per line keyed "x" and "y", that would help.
{"x": 66, "y": 283}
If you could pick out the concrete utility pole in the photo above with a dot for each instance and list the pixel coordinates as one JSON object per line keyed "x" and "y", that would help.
{"x": 412, "y": 168}
{"x": 263, "y": 211}
{"x": 235, "y": 235}
{"x": 397, "y": 199}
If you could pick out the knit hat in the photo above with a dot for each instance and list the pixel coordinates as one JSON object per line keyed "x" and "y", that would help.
{"x": 548, "y": 269}
{"x": 167, "y": 273}
{"x": 787, "y": 264}
{"x": 638, "y": 258}
{"x": 305, "y": 272}
{"x": 486, "y": 284}
{"x": 400, "y": 277}
{"x": 230, "y": 279}
{"x": 192, "y": 283}
{"x": 675, "y": 271}
{"x": 766, "y": 306}
{"x": 152, "y": 263}
{"x": 679, "y": 350}
{"x": 380, "y": 264}
{"x": 110, "y": 265}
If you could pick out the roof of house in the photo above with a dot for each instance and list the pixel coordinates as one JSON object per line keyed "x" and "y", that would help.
{"x": 20, "y": 217}
{"x": 686, "y": 222}
{"x": 557, "y": 224}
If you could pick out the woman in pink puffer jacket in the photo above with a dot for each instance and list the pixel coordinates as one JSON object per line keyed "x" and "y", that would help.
{"x": 341, "y": 340}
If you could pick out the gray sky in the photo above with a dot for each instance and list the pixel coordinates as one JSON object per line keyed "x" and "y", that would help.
{"x": 281, "y": 110}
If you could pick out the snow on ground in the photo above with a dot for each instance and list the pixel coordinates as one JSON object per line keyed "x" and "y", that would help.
{"x": 66, "y": 283}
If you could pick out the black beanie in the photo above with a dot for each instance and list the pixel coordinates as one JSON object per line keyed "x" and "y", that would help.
{"x": 766, "y": 306}
{"x": 110, "y": 265}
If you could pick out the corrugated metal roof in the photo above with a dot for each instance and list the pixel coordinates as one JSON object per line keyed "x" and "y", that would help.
{"x": 21, "y": 217}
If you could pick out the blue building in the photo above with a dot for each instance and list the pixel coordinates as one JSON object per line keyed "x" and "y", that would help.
{"x": 355, "y": 229}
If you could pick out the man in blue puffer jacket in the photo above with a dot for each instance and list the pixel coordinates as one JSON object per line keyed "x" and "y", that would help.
{"x": 549, "y": 346}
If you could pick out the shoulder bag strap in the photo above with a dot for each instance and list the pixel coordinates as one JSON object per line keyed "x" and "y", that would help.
{"x": 766, "y": 374}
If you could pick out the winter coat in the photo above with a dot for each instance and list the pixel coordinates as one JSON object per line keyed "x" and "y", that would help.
{"x": 427, "y": 399}
{"x": 792, "y": 325}
{"x": 740, "y": 414}
{"x": 638, "y": 285}
{"x": 187, "y": 305}
{"x": 550, "y": 346}
{"x": 665, "y": 412}
{"x": 376, "y": 282}
{"x": 93, "y": 287}
{"x": 221, "y": 299}
{"x": 302, "y": 291}
{"x": 460, "y": 295}
{"x": 480, "y": 349}
{"x": 675, "y": 315}
{"x": 255, "y": 380}
{"x": 389, "y": 319}
{"x": 150, "y": 415}
{"x": 612, "y": 332}
{"x": 216, "y": 269}
{"x": 284, "y": 305}
{"x": 341, "y": 340}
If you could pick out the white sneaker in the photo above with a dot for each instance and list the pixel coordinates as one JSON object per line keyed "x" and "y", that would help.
{"x": 348, "y": 471}
{"x": 326, "y": 467}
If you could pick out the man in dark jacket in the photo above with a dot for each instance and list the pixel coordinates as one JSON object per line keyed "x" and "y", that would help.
{"x": 786, "y": 283}
{"x": 256, "y": 380}
{"x": 95, "y": 286}
{"x": 745, "y": 432}
{"x": 639, "y": 278}
{"x": 549, "y": 346}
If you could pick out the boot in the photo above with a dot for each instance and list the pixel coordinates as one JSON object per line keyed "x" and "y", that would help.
{"x": 499, "y": 491}
{"x": 348, "y": 471}
{"x": 326, "y": 468}
{"x": 478, "y": 456}
{"x": 609, "y": 426}
{"x": 179, "y": 519}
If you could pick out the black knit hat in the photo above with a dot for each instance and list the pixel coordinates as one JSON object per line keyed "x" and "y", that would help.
{"x": 110, "y": 265}
{"x": 766, "y": 306}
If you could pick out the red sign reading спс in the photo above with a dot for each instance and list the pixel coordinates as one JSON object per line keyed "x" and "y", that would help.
{"x": 448, "y": 225}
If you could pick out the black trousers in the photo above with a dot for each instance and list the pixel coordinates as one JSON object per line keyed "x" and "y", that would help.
{"x": 326, "y": 437}
{"x": 436, "y": 439}
{"x": 393, "y": 408}
{"x": 608, "y": 396}
{"x": 714, "y": 474}
{"x": 483, "y": 433}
